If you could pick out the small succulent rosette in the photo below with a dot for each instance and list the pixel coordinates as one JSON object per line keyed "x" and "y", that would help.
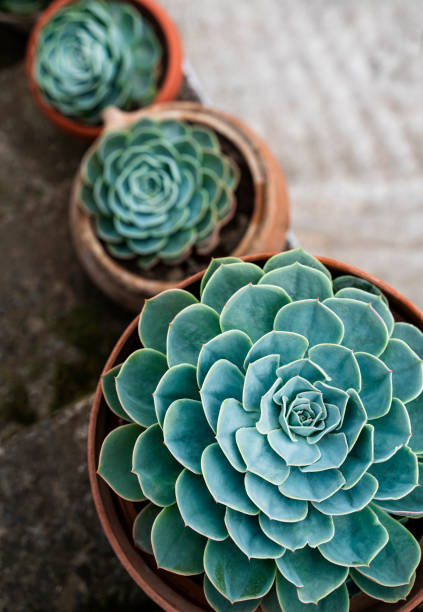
{"x": 276, "y": 432}
{"x": 157, "y": 189}
{"x": 92, "y": 54}
{"x": 22, "y": 8}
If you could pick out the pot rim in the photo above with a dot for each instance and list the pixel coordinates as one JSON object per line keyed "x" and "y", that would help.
{"x": 168, "y": 91}
{"x": 146, "y": 578}
{"x": 267, "y": 224}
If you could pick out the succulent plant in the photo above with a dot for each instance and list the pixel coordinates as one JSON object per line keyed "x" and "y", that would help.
{"x": 92, "y": 54}
{"x": 276, "y": 432}
{"x": 22, "y": 7}
{"x": 157, "y": 189}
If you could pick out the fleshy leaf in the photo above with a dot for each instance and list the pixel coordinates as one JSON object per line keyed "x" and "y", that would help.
{"x": 407, "y": 371}
{"x": 115, "y": 462}
{"x": 314, "y": 529}
{"x": 137, "y": 380}
{"x": 311, "y": 319}
{"x": 349, "y": 500}
{"x": 245, "y": 531}
{"x": 288, "y": 345}
{"x": 376, "y": 385}
{"x": 141, "y": 530}
{"x": 391, "y": 431}
{"x": 259, "y": 379}
{"x": 397, "y": 476}
{"x": 388, "y": 594}
{"x": 334, "y": 449}
{"x": 411, "y": 335}
{"x": 177, "y": 548}
{"x": 187, "y": 433}
{"x": 252, "y": 309}
{"x": 158, "y": 312}
{"x": 312, "y": 573}
{"x": 409, "y": 505}
{"x": 189, "y": 330}
{"x": 313, "y": 486}
{"x": 358, "y": 283}
{"x": 355, "y": 418}
{"x": 397, "y": 561}
{"x": 227, "y": 280}
{"x": 218, "y": 602}
{"x": 358, "y": 538}
{"x": 224, "y": 483}
{"x": 259, "y": 457}
{"x": 224, "y": 380}
{"x": 369, "y": 298}
{"x": 155, "y": 467}
{"x": 294, "y": 453}
{"x": 300, "y": 282}
{"x": 268, "y": 498}
{"x": 232, "y": 417}
{"x": 235, "y": 576}
{"x": 179, "y": 382}
{"x": 213, "y": 266}
{"x": 301, "y": 367}
{"x": 108, "y": 385}
{"x": 232, "y": 345}
{"x": 339, "y": 363}
{"x": 364, "y": 329}
{"x": 288, "y": 598}
{"x": 359, "y": 458}
{"x": 292, "y": 256}
{"x": 198, "y": 508}
{"x": 415, "y": 412}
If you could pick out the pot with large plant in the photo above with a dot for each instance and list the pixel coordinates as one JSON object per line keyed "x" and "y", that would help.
{"x": 261, "y": 446}
{"x": 164, "y": 188}
{"x": 85, "y": 55}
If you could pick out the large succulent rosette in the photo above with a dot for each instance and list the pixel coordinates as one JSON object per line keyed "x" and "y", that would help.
{"x": 276, "y": 433}
{"x": 157, "y": 189}
{"x": 93, "y": 54}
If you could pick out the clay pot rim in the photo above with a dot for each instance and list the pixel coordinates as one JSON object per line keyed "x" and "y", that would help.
{"x": 267, "y": 176}
{"x": 148, "y": 580}
{"x": 169, "y": 89}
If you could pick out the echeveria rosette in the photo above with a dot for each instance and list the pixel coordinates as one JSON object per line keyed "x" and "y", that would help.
{"x": 276, "y": 434}
{"x": 157, "y": 189}
{"x": 92, "y": 54}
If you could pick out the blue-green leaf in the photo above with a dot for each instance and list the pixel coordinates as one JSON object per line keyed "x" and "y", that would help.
{"x": 407, "y": 371}
{"x": 232, "y": 345}
{"x": 311, "y": 319}
{"x": 227, "y": 280}
{"x": 354, "y": 419}
{"x": 252, "y": 309}
{"x": 312, "y": 486}
{"x": 179, "y": 382}
{"x": 232, "y": 417}
{"x": 234, "y": 575}
{"x": 397, "y": 476}
{"x": 411, "y": 335}
{"x": 245, "y": 531}
{"x": 108, "y": 385}
{"x": 292, "y": 256}
{"x": 218, "y": 602}
{"x": 314, "y": 576}
{"x": 155, "y": 467}
{"x": 187, "y": 433}
{"x": 415, "y": 412}
{"x": 288, "y": 597}
{"x": 198, "y": 508}
{"x": 391, "y": 431}
{"x": 339, "y": 363}
{"x": 158, "y": 312}
{"x": 359, "y": 458}
{"x": 358, "y": 283}
{"x": 369, "y": 298}
{"x": 213, "y": 266}
{"x": 299, "y": 452}
{"x": 224, "y": 483}
{"x": 141, "y": 530}
{"x": 301, "y": 367}
{"x": 177, "y": 548}
{"x": 137, "y": 380}
{"x": 300, "y": 282}
{"x": 288, "y": 345}
{"x": 409, "y": 505}
{"x": 260, "y": 377}
{"x": 358, "y": 538}
{"x": 397, "y": 562}
{"x": 189, "y": 330}
{"x": 224, "y": 380}
{"x": 376, "y": 385}
{"x": 269, "y": 499}
{"x": 333, "y": 449}
{"x": 259, "y": 457}
{"x": 364, "y": 329}
{"x": 377, "y": 591}
{"x": 349, "y": 500}
{"x": 314, "y": 529}
{"x": 115, "y": 462}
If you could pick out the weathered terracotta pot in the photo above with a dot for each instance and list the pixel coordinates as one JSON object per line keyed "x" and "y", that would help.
{"x": 180, "y": 593}
{"x": 261, "y": 178}
{"x": 171, "y": 80}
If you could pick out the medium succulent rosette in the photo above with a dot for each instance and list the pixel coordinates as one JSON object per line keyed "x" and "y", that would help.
{"x": 276, "y": 434}
{"x": 92, "y": 54}
{"x": 157, "y": 189}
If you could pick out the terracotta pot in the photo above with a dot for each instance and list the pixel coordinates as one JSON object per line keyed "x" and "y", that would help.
{"x": 180, "y": 593}
{"x": 172, "y": 70}
{"x": 261, "y": 176}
